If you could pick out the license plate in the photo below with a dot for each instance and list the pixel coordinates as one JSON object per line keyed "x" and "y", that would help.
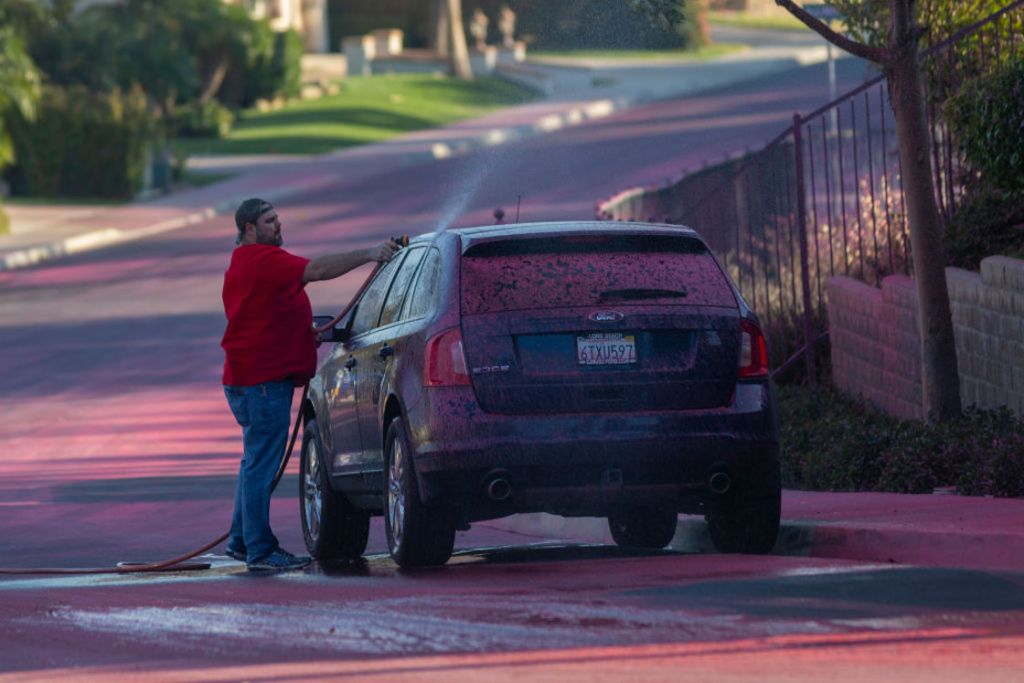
{"x": 606, "y": 348}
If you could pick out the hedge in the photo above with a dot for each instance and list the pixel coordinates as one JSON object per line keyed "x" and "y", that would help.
{"x": 987, "y": 123}
{"x": 987, "y": 120}
{"x": 831, "y": 442}
{"x": 82, "y": 144}
{"x": 270, "y": 74}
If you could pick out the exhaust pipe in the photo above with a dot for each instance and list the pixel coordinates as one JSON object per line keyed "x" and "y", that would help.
{"x": 499, "y": 489}
{"x": 720, "y": 482}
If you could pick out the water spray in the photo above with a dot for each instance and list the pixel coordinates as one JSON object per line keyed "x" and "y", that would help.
{"x": 468, "y": 182}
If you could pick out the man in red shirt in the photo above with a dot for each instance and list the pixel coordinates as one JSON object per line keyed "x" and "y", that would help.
{"x": 269, "y": 350}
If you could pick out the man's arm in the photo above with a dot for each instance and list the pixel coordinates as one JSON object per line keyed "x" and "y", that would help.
{"x": 335, "y": 265}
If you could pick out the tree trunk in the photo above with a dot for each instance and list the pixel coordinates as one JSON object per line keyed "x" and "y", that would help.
{"x": 439, "y": 36}
{"x": 939, "y": 372}
{"x": 702, "y": 20}
{"x": 940, "y": 377}
{"x": 214, "y": 77}
{"x": 458, "y": 58}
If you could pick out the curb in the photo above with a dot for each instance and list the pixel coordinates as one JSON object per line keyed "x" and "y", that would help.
{"x": 590, "y": 111}
{"x": 848, "y": 541}
{"x": 96, "y": 239}
{"x": 104, "y": 237}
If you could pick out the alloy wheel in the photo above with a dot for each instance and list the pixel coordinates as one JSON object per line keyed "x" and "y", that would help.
{"x": 312, "y": 494}
{"x": 396, "y": 497}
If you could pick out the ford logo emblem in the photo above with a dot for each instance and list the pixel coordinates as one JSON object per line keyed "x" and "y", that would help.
{"x": 606, "y": 316}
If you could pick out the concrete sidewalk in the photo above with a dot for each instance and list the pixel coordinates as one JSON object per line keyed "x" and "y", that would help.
{"x": 933, "y": 530}
{"x": 576, "y": 92}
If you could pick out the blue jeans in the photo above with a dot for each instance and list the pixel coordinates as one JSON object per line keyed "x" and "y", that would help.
{"x": 264, "y": 413}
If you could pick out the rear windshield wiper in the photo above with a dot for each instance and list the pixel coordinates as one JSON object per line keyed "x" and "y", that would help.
{"x": 637, "y": 293}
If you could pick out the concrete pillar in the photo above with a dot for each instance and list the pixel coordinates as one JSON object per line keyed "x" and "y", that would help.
{"x": 389, "y": 41}
{"x": 314, "y": 18}
{"x": 360, "y": 52}
{"x": 512, "y": 54}
{"x": 482, "y": 61}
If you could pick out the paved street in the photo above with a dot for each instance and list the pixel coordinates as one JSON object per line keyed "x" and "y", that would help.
{"x": 543, "y": 612}
{"x": 119, "y": 446}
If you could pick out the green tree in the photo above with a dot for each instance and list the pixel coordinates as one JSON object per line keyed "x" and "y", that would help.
{"x": 898, "y": 57}
{"x": 19, "y": 87}
{"x": 19, "y": 79}
{"x": 178, "y": 53}
{"x": 688, "y": 17}
{"x": 867, "y": 21}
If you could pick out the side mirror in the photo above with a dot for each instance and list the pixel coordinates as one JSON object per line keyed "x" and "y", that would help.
{"x": 336, "y": 334}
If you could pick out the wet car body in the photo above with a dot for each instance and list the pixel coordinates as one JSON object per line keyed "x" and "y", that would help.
{"x": 575, "y": 368}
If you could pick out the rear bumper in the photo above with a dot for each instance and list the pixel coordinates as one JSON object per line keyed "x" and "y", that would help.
{"x": 584, "y": 463}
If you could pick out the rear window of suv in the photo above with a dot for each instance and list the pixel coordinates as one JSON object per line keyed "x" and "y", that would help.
{"x": 603, "y": 270}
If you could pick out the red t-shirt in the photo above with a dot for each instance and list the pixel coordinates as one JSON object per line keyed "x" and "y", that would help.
{"x": 270, "y": 321}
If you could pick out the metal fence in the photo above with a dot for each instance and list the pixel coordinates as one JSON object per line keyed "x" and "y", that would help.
{"x": 825, "y": 197}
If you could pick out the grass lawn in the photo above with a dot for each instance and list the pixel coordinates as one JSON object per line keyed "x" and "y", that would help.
{"x": 702, "y": 53}
{"x": 366, "y": 110}
{"x": 778, "y": 22}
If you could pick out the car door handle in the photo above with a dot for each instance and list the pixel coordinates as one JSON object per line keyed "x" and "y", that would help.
{"x": 386, "y": 351}
{"x": 351, "y": 362}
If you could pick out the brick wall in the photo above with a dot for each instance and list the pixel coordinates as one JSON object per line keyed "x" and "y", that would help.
{"x": 876, "y": 345}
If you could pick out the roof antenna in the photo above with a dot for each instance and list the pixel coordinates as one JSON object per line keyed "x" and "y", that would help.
{"x": 519, "y": 198}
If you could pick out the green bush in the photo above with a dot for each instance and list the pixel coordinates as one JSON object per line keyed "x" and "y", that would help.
{"x": 832, "y": 442}
{"x": 987, "y": 117}
{"x": 5, "y": 222}
{"x": 82, "y": 144}
{"x": 988, "y": 222}
{"x": 211, "y": 119}
{"x": 287, "y": 63}
{"x": 691, "y": 28}
{"x": 595, "y": 24}
{"x": 988, "y": 446}
{"x": 272, "y": 72}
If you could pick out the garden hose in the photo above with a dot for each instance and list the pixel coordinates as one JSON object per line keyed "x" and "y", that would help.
{"x": 181, "y": 563}
{"x": 178, "y": 563}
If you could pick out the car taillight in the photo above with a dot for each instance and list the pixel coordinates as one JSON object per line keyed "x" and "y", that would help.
{"x": 444, "y": 363}
{"x": 753, "y": 351}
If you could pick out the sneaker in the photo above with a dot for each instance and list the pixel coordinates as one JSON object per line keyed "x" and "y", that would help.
{"x": 235, "y": 554}
{"x": 278, "y": 561}
{"x": 297, "y": 558}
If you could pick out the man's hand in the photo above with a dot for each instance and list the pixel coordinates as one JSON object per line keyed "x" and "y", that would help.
{"x": 383, "y": 251}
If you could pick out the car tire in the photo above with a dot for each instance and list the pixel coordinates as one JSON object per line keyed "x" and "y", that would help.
{"x": 332, "y": 528}
{"x": 417, "y": 535}
{"x": 641, "y": 526}
{"x": 746, "y": 519}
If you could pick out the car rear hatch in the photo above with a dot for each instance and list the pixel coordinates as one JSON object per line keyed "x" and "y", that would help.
{"x": 597, "y": 323}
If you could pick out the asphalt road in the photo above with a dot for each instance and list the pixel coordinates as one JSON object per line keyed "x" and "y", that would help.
{"x": 119, "y": 446}
{"x": 541, "y": 612}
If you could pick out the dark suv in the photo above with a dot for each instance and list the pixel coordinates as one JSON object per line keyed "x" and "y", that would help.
{"x": 599, "y": 369}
